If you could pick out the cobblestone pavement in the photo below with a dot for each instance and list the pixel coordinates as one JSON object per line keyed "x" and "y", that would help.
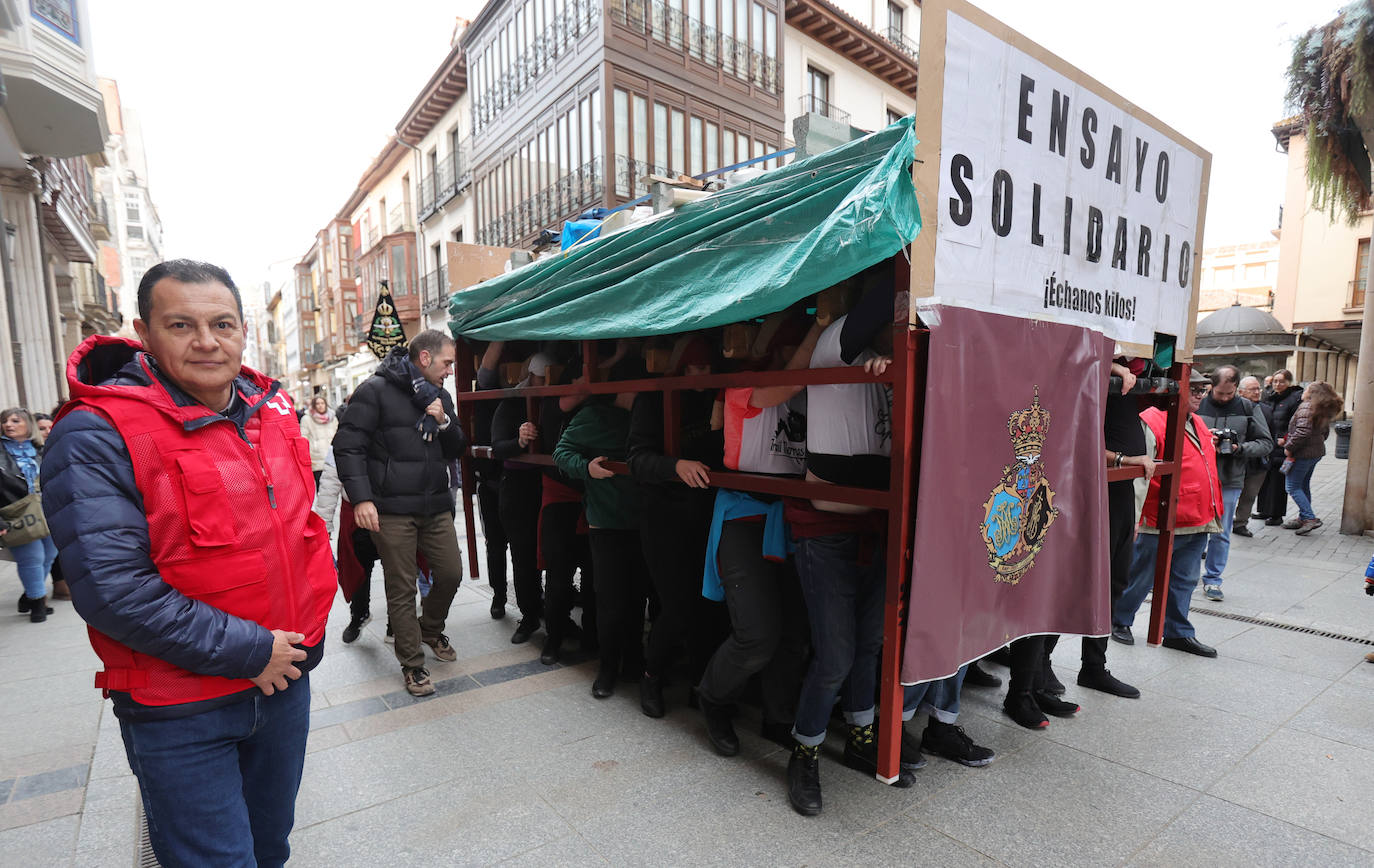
{"x": 1264, "y": 756}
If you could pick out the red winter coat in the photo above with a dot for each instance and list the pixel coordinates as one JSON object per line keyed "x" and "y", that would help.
{"x": 228, "y": 517}
{"x": 1199, "y": 496}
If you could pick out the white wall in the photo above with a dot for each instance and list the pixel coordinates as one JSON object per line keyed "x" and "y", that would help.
{"x": 852, "y": 88}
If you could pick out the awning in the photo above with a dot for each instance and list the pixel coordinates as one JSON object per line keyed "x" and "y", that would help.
{"x": 741, "y": 253}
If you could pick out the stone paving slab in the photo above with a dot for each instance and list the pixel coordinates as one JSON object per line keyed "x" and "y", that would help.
{"x": 1263, "y": 756}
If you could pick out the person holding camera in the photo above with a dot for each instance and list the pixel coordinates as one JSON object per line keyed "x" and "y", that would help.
{"x": 1239, "y": 433}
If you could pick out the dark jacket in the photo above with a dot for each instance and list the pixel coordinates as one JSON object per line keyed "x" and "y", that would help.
{"x": 1261, "y": 465}
{"x": 1306, "y": 438}
{"x": 656, "y": 472}
{"x": 95, "y": 512}
{"x": 1255, "y": 441}
{"x": 380, "y": 454}
{"x": 13, "y": 484}
{"x": 1284, "y": 405}
{"x": 600, "y": 428}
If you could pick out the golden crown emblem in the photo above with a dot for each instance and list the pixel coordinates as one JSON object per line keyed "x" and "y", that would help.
{"x": 1029, "y": 427}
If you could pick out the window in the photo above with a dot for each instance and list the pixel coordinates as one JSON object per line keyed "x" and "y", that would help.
{"x": 712, "y": 146}
{"x": 893, "y": 116}
{"x": 729, "y": 149}
{"x": 458, "y": 235}
{"x": 661, "y": 149}
{"x": 817, "y": 90}
{"x": 1361, "y": 281}
{"x": 1254, "y": 273}
{"x": 640, "y": 124}
{"x": 1225, "y": 276}
{"x": 697, "y": 147}
{"x": 895, "y": 14}
{"x": 132, "y": 210}
{"x": 621, "y": 111}
{"x": 679, "y": 163}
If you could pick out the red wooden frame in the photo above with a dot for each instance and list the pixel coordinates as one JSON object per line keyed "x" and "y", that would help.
{"x": 906, "y": 375}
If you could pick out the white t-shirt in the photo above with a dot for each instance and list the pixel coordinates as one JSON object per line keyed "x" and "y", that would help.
{"x": 765, "y": 439}
{"x": 850, "y": 418}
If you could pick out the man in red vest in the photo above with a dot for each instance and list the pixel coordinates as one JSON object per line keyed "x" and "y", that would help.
{"x": 178, "y": 490}
{"x": 1200, "y": 508}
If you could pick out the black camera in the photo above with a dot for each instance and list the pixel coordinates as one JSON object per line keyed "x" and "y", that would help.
{"x": 1227, "y": 441}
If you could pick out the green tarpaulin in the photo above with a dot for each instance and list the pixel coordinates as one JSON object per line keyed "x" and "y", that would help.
{"x": 741, "y": 253}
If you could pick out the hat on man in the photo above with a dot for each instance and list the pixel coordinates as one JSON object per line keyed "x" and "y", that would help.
{"x": 1198, "y": 378}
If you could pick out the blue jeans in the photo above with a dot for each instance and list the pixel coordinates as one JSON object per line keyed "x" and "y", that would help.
{"x": 939, "y": 699}
{"x": 34, "y": 560}
{"x": 1298, "y": 484}
{"x": 219, "y": 787}
{"x": 1183, "y": 575}
{"x": 845, "y": 602}
{"x": 1219, "y": 546}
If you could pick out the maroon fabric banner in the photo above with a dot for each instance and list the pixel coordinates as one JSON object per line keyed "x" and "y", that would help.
{"x": 1011, "y": 518}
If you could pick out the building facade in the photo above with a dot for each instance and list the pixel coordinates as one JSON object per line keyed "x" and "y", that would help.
{"x": 51, "y": 120}
{"x": 1245, "y": 274}
{"x": 135, "y": 230}
{"x": 1322, "y": 274}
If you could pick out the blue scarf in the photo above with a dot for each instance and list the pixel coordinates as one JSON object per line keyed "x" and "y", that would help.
{"x": 26, "y": 456}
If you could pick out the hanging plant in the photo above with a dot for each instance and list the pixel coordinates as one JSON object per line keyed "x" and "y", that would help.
{"x": 1331, "y": 90}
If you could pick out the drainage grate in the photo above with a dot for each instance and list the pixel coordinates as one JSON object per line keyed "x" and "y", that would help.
{"x": 1266, "y": 622}
{"x": 144, "y": 858}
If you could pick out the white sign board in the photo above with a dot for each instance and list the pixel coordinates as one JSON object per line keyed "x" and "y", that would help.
{"x": 1054, "y": 201}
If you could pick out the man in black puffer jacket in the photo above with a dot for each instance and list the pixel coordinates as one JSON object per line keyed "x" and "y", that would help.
{"x": 393, "y": 450}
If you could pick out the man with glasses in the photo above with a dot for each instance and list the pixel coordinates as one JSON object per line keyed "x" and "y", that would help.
{"x": 1240, "y": 435}
{"x": 1257, "y": 469}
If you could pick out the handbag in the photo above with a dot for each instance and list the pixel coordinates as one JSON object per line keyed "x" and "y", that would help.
{"x": 25, "y": 521}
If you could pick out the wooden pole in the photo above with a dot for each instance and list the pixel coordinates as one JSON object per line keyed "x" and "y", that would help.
{"x": 467, "y": 479}
{"x": 907, "y": 402}
{"x": 1355, "y": 514}
{"x": 1177, "y": 414}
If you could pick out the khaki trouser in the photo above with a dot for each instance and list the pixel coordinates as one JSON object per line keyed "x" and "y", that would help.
{"x": 400, "y": 537}
{"x": 1253, "y": 481}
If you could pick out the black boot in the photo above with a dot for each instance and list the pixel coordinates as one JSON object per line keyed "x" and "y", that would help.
{"x": 980, "y": 677}
{"x": 1051, "y": 704}
{"x": 354, "y": 628}
{"x": 39, "y": 610}
{"x": 1022, "y": 708}
{"x": 552, "y": 646}
{"x": 651, "y": 695}
{"x": 604, "y": 685}
{"x": 804, "y": 780}
{"x": 861, "y": 749}
{"x": 720, "y": 730}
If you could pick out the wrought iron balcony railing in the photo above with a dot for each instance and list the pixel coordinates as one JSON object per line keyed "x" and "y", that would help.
{"x": 558, "y": 36}
{"x": 451, "y": 176}
{"x": 674, "y": 28}
{"x": 899, "y": 39}
{"x": 567, "y": 197}
{"x": 810, "y": 104}
{"x": 434, "y": 289}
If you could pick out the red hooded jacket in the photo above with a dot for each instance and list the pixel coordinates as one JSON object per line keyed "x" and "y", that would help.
{"x": 229, "y": 519}
{"x": 1199, "y": 485}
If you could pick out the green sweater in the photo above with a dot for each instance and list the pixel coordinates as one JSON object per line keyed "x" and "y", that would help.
{"x": 595, "y": 430}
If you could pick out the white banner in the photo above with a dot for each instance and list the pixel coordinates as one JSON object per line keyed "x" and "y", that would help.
{"x": 1054, "y": 202}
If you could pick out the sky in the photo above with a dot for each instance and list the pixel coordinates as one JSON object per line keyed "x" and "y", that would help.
{"x": 259, "y": 118}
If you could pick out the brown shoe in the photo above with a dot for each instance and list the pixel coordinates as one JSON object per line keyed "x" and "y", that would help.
{"x": 1370, "y": 656}
{"x": 441, "y": 647}
{"x": 1292, "y": 524}
{"x": 417, "y": 681}
{"x": 60, "y": 591}
{"x": 1309, "y": 525}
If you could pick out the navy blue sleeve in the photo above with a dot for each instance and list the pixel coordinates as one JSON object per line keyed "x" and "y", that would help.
{"x": 95, "y": 513}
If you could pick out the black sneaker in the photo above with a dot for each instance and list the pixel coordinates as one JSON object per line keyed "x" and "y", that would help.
{"x": 355, "y": 629}
{"x": 952, "y": 743}
{"x": 861, "y": 749}
{"x": 977, "y": 676}
{"x": 804, "y": 780}
{"x": 552, "y": 647}
{"x": 720, "y": 730}
{"x": 1051, "y": 704}
{"x": 417, "y": 681}
{"x": 651, "y": 696}
{"x": 524, "y": 630}
{"x": 498, "y": 609}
